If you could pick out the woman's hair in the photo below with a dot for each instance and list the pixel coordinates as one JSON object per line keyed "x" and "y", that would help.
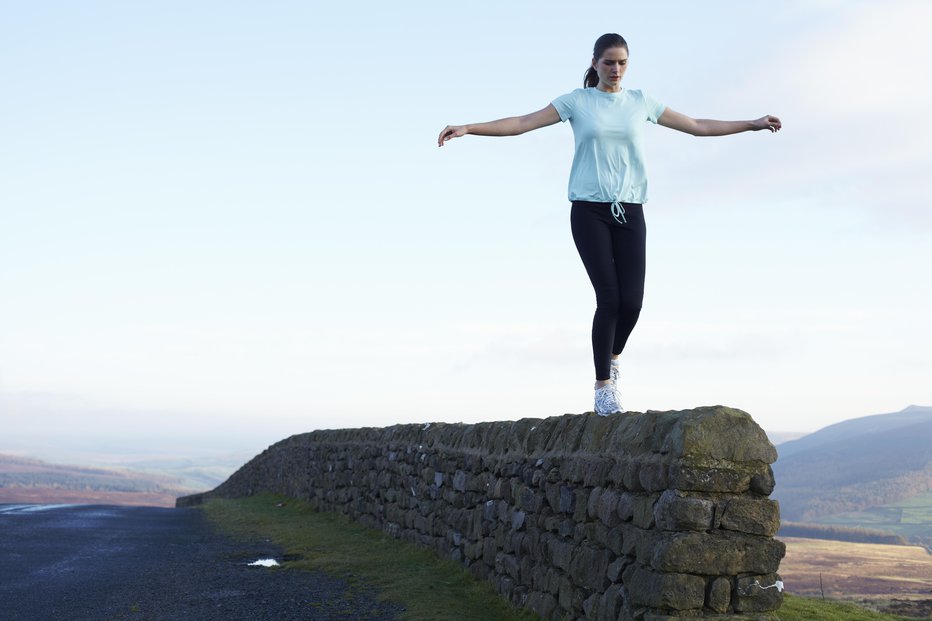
{"x": 605, "y": 42}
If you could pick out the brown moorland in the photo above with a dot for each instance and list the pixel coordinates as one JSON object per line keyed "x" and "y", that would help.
{"x": 53, "y": 496}
{"x": 887, "y": 577}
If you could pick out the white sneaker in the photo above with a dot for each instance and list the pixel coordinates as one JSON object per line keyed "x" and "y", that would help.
{"x": 606, "y": 400}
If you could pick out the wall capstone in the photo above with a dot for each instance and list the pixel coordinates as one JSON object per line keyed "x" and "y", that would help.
{"x": 650, "y": 517}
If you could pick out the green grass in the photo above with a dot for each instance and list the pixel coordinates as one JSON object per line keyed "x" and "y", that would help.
{"x": 910, "y": 518}
{"x": 429, "y": 588}
{"x": 811, "y": 609}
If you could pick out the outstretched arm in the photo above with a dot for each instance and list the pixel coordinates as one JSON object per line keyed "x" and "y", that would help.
{"x": 512, "y": 126}
{"x": 708, "y": 127}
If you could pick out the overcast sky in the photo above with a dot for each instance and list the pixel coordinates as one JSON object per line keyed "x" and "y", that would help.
{"x": 231, "y": 219}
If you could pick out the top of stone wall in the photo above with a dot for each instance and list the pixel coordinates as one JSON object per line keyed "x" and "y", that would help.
{"x": 706, "y": 433}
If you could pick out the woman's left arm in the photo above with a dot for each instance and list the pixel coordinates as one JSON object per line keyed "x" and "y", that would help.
{"x": 708, "y": 127}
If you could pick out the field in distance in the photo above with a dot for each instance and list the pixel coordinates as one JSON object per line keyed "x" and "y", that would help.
{"x": 911, "y": 518}
{"x": 895, "y": 579}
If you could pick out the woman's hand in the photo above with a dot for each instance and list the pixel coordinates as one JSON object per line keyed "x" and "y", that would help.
{"x": 451, "y": 131}
{"x": 768, "y": 122}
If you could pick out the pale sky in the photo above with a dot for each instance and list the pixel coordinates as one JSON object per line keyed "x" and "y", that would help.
{"x": 232, "y": 221}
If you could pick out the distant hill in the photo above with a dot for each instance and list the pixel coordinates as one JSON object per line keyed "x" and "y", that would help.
{"x": 24, "y": 480}
{"x": 857, "y": 465}
{"x": 856, "y": 427}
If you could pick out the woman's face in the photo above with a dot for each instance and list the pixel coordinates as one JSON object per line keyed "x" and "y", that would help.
{"x": 611, "y": 68}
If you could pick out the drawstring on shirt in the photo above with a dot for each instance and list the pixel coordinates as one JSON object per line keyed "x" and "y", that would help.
{"x": 618, "y": 210}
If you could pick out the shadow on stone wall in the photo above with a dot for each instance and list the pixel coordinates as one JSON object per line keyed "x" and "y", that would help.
{"x": 654, "y": 516}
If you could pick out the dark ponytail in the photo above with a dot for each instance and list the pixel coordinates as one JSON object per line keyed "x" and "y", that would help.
{"x": 605, "y": 42}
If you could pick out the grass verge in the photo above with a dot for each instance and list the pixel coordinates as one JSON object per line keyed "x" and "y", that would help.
{"x": 797, "y": 608}
{"x": 430, "y": 589}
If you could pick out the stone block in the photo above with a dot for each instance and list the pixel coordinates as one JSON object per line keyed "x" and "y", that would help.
{"x": 614, "y": 540}
{"x": 488, "y": 551}
{"x": 595, "y": 471}
{"x": 718, "y": 597}
{"x": 626, "y": 506}
{"x": 584, "y": 531}
{"x": 616, "y": 476}
{"x": 607, "y": 509}
{"x": 509, "y": 565}
{"x": 617, "y": 567}
{"x": 653, "y": 475}
{"x": 676, "y": 511}
{"x": 566, "y": 527}
{"x": 695, "y": 478}
{"x": 552, "y": 494}
{"x": 459, "y": 481}
{"x": 610, "y": 604}
{"x": 530, "y": 500}
{"x": 581, "y": 504}
{"x": 501, "y": 490}
{"x": 542, "y": 603}
{"x": 570, "y": 470}
{"x": 717, "y": 554}
{"x": 632, "y": 476}
{"x": 567, "y": 500}
{"x": 757, "y": 516}
{"x": 763, "y": 482}
{"x": 592, "y": 505}
{"x": 589, "y": 567}
{"x": 591, "y": 605}
{"x": 644, "y": 510}
{"x": 504, "y": 512}
{"x": 529, "y": 571}
{"x": 567, "y": 592}
{"x": 666, "y": 590}
{"x": 561, "y": 553}
{"x": 505, "y": 586}
{"x": 490, "y": 511}
{"x": 552, "y": 580}
{"x": 757, "y": 593}
{"x": 718, "y": 433}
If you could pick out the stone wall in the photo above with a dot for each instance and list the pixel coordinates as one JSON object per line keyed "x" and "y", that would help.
{"x": 654, "y": 516}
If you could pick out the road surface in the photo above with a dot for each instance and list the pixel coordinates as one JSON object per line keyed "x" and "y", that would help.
{"x": 106, "y": 563}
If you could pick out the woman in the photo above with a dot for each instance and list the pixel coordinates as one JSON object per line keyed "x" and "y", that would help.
{"x": 608, "y": 187}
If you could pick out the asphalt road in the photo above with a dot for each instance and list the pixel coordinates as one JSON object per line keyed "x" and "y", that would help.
{"x": 103, "y": 563}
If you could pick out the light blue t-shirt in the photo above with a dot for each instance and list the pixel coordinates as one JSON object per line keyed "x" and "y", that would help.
{"x": 608, "y": 164}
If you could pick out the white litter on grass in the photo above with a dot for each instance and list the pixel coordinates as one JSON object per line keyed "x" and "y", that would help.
{"x": 778, "y": 585}
{"x": 265, "y": 562}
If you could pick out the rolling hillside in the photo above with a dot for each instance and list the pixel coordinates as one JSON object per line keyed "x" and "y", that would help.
{"x": 856, "y": 427}
{"x": 859, "y": 465}
{"x": 24, "y": 480}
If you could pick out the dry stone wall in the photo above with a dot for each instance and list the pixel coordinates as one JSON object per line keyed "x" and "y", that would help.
{"x": 654, "y": 517}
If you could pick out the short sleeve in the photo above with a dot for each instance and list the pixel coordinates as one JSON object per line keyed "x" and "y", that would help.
{"x": 654, "y": 107}
{"x": 565, "y": 105}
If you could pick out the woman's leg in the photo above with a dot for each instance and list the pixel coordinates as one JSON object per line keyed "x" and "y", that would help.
{"x": 591, "y": 224}
{"x": 629, "y": 244}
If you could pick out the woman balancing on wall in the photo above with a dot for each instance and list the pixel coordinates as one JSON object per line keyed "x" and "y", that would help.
{"x": 608, "y": 187}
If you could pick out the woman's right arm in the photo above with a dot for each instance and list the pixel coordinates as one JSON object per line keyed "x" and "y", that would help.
{"x": 512, "y": 126}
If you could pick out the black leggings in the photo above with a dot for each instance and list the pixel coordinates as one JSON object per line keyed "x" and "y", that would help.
{"x": 614, "y": 255}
